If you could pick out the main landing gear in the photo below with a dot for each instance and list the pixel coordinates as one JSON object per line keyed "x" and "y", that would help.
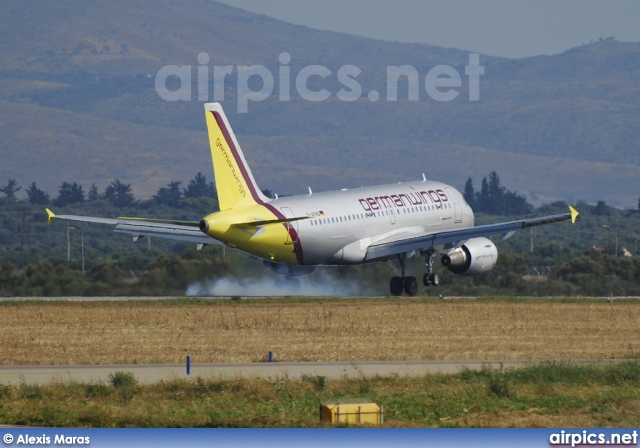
{"x": 409, "y": 284}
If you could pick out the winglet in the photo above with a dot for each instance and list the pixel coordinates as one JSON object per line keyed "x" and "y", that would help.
{"x": 51, "y": 215}
{"x": 574, "y": 214}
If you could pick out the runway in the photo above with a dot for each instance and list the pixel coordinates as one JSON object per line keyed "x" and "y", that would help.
{"x": 153, "y": 373}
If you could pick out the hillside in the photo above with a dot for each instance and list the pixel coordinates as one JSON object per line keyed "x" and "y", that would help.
{"x": 78, "y": 103}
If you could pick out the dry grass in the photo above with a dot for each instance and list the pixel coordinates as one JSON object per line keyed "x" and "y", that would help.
{"x": 320, "y": 330}
{"x": 544, "y": 395}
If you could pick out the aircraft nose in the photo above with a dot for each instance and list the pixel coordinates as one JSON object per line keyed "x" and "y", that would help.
{"x": 204, "y": 226}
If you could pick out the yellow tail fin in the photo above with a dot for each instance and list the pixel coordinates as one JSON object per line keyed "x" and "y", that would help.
{"x": 234, "y": 182}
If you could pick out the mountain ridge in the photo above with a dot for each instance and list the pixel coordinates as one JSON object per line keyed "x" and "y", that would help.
{"x": 554, "y": 127}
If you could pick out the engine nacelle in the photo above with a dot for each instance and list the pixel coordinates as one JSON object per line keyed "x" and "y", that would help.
{"x": 476, "y": 256}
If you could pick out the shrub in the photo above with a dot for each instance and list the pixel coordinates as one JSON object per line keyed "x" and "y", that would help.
{"x": 123, "y": 379}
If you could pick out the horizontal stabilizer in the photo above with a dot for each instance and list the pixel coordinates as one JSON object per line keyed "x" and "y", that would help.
{"x": 258, "y": 223}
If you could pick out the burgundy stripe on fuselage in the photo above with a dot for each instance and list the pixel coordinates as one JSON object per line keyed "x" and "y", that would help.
{"x": 297, "y": 246}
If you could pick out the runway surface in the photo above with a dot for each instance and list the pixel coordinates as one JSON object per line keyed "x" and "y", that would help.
{"x": 152, "y": 373}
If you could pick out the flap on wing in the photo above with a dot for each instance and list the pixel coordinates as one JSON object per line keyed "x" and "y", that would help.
{"x": 172, "y": 232}
{"x": 161, "y": 221}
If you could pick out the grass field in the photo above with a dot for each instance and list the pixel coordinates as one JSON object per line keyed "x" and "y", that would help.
{"x": 546, "y": 395}
{"x": 549, "y": 394}
{"x": 316, "y": 330}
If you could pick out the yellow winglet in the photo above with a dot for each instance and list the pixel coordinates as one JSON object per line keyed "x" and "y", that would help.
{"x": 52, "y": 216}
{"x": 574, "y": 214}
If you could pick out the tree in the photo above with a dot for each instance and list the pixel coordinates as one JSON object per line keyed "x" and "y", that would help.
{"x": 639, "y": 204}
{"x": 119, "y": 194}
{"x": 469, "y": 193}
{"x": 514, "y": 204}
{"x": 483, "y": 197}
{"x": 37, "y": 196}
{"x": 495, "y": 199}
{"x": 496, "y": 194}
{"x": 199, "y": 188}
{"x": 602, "y": 209}
{"x": 10, "y": 189}
{"x": 69, "y": 194}
{"x": 10, "y": 279}
{"x": 169, "y": 195}
{"x": 268, "y": 193}
{"x": 93, "y": 194}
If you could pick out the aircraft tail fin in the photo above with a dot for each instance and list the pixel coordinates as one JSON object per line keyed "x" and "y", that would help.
{"x": 234, "y": 182}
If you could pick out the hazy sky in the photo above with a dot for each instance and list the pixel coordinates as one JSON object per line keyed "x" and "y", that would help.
{"x": 508, "y": 28}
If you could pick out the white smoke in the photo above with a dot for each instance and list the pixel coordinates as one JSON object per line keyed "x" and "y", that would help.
{"x": 319, "y": 284}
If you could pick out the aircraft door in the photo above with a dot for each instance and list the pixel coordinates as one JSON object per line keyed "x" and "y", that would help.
{"x": 392, "y": 214}
{"x": 458, "y": 212}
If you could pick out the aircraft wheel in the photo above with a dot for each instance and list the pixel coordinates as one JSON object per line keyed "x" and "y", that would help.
{"x": 435, "y": 280}
{"x": 426, "y": 280}
{"x": 411, "y": 286}
{"x": 395, "y": 286}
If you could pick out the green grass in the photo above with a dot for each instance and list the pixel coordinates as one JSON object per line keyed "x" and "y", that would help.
{"x": 548, "y": 394}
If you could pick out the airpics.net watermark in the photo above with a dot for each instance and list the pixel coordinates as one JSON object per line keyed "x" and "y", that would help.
{"x": 257, "y": 83}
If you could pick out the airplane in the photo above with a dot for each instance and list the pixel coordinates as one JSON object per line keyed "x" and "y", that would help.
{"x": 296, "y": 234}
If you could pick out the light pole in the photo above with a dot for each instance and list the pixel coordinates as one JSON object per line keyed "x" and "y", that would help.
{"x": 82, "y": 248}
{"x": 615, "y": 230}
{"x": 69, "y": 242}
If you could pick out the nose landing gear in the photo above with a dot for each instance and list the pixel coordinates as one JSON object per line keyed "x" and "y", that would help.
{"x": 430, "y": 278}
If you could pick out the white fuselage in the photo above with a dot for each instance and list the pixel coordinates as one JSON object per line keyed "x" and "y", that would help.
{"x": 345, "y": 223}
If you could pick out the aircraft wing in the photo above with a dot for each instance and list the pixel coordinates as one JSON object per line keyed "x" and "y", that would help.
{"x": 456, "y": 238}
{"x": 139, "y": 227}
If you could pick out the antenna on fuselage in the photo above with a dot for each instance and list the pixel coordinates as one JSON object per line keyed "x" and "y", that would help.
{"x": 424, "y": 178}
{"x": 310, "y": 192}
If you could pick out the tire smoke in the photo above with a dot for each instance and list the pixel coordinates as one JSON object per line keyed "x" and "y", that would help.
{"x": 320, "y": 284}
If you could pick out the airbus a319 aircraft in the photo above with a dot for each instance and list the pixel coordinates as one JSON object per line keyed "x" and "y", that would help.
{"x": 293, "y": 235}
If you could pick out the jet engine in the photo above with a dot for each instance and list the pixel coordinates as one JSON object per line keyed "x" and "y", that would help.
{"x": 476, "y": 256}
